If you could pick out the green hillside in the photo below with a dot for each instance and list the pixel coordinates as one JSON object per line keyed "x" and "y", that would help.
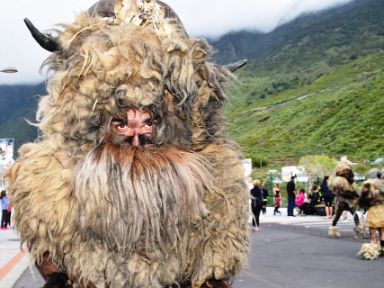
{"x": 320, "y": 92}
{"x": 338, "y": 114}
{"x": 17, "y": 105}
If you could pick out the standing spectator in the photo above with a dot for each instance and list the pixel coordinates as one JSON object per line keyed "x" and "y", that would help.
{"x": 277, "y": 197}
{"x": 9, "y": 215}
{"x": 291, "y": 191}
{"x": 328, "y": 197}
{"x": 264, "y": 189}
{"x": 4, "y": 208}
{"x": 257, "y": 204}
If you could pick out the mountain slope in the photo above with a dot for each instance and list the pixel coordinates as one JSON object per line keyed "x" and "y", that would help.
{"x": 317, "y": 89}
{"x": 17, "y": 105}
{"x": 337, "y": 27}
{"x": 337, "y": 114}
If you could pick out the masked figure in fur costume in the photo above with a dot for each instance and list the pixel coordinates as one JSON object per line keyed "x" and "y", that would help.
{"x": 343, "y": 186}
{"x": 133, "y": 182}
{"x": 372, "y": 201}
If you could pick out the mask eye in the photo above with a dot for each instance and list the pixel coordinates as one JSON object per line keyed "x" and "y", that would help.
{"x": 149, "y": 122}
{"x": 119, "y": 126}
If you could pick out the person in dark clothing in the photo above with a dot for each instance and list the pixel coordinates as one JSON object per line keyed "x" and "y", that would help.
{"x": 291, "y": 189}
{"x": 328, "y": 197}
{"x": 314, "y": 196}
{"x": 264, "y": 189}
{"x": 257, "y": 204}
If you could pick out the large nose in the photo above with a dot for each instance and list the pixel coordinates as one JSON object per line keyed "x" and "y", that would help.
{"x": 135, "y": 140}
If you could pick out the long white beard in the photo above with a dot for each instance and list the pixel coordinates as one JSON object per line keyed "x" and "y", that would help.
{"x": 140, "y": 199}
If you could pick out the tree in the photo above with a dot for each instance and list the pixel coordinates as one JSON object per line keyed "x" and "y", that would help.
{"x": 317, "y": 166}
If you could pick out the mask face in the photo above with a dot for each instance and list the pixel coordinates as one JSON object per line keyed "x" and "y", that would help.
{"x": 137, "y": 129}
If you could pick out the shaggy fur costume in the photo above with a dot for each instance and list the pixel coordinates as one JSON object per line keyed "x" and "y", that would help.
{"x": 372, "y": 200}
{"x": 369, "y": 251}
{"x": 334, "y": 232}
{"x": 106, "y": 214}
{"x": 372, "y": 194}
{"x": 343, "y": 186}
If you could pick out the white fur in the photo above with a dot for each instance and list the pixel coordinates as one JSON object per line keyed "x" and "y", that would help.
{"x": 334, "y": 232}
{"x": 370, "y": 251}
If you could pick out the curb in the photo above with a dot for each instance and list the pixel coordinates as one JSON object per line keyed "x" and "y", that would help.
{"x": 12, "y": 270}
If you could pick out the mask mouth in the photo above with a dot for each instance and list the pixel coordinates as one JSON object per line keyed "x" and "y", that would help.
{"x": 144, "y": 140}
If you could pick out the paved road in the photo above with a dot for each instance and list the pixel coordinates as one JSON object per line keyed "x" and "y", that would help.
{"x": 296, "y": 254}
{"x": 301, "y": 255}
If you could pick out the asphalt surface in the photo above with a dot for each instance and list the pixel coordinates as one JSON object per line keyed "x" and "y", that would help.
{"x": 302, "y": 256}
{"x": 297, "y": 255}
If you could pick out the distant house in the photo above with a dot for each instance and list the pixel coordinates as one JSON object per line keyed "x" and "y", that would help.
{"x": 6, "y": 157}
{"x": 288, "y": 171}
{"x": 247, "y": 165}
{"x": 378, "y": 161}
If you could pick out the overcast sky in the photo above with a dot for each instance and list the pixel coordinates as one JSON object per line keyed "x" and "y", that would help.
{"x": 211, "y": 18}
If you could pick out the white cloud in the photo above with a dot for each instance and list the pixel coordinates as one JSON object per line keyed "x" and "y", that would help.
{"x": 201, "y": 18}
{"x": 215, "y": 17}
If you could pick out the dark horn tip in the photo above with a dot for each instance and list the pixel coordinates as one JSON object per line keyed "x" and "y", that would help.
{"x": 46, "y": 41}
{"x": 236, "y": 65}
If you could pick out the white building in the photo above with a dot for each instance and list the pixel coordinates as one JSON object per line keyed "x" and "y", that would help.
{"x": 6, "y": 157}
{"x": 288, "y": 171}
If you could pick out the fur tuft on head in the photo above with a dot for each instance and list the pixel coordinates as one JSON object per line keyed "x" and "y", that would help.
{"x": 372, "y": 193}
{"x": 342, "y": 183}
{"x": 128, "y": 66}
{"x": 343, "y": 167}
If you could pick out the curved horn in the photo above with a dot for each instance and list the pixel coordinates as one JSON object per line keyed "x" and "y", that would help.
{"x": 46, "y": 41}
{"x": 236, "y": 65}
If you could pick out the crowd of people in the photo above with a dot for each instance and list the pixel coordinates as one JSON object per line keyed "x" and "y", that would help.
{"x": 333, "y": 198}
{"x": 319, "y": 200}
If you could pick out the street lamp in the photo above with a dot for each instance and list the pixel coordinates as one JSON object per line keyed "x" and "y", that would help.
{"x": 9, "y": 70}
